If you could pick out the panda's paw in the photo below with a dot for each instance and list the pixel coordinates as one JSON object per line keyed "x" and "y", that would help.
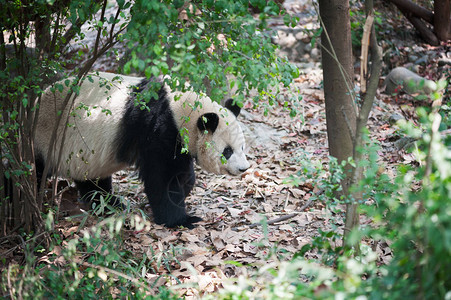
{"x": 188, "y": 222}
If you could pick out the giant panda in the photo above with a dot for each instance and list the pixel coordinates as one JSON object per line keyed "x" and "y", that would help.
{"x": 106, "y": 132}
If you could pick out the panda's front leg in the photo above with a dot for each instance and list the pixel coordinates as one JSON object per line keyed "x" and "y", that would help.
{"x": 179, "y": 188}
{"x": 167, "y": 195}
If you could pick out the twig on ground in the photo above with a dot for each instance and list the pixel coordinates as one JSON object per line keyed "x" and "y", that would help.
{"x": 284, "y": 218}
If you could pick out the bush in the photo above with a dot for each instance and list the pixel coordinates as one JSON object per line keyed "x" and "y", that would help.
{"x": 415, "y": 217}
{"x": 94, "y": 264}
{"x": 411, "y": 212}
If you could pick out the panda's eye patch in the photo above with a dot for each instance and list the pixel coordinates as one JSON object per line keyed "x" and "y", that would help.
{"x": 228, "y": 151}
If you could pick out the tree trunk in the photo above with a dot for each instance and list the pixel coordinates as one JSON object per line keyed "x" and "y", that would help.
{"x": 338, "y": 87}
{"x": 415, "y": 9}
{"x": 440, "y": 19}
{"x": 442, "y": 23}
{"x": 338, "y": 72}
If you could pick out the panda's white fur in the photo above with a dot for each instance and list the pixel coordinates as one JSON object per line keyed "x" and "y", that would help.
{"x": 207, "y": 148}
{"x": 97, "y": 131}
{"x": 84, "y": 154}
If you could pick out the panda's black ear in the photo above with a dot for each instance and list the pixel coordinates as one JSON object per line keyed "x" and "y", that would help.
{"x": 234, "y": 108}
{"x": 208, "y": 121}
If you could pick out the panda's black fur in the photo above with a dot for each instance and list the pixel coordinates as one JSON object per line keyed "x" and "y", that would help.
{"x": 150, "y": 140}
{"x": 168, "y": 175}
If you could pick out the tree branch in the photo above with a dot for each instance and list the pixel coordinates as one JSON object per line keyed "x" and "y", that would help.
{"x": 423, "y": 30}
{"x": 352, "y": 217}
{"x": 287, "y": 217}
{"x": 406, "y": 5}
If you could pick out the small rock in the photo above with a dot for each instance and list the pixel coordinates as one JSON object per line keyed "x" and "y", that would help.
{"x": 422, "y": 61}
{"x": 412, "y": 67}
{"x": 418, "y": 49}
{"x": 444, "y": 61}
{"x": 315, "y": 54}
{"x": 404, "y": 143}
{"x": 290, "y": 47}
{"x": 307, "y": 66}
{"x": 413, "y": 58}
{"x": 432, "y": 54}
{"x": 394, "y": 118}
{"x": 285, "y": 39}
{"x": 410, "y": 82}
{"x": 300, "y": 35}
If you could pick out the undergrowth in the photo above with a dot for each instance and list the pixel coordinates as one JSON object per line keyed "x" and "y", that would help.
{"x": 93, "y": 263}
{"x": 411, "y": 212}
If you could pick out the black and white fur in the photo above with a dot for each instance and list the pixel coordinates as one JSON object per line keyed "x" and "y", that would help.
{"x": 106, "y": 132}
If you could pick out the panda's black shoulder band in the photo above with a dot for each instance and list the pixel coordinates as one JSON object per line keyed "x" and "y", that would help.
{"x": 141, "y": 86}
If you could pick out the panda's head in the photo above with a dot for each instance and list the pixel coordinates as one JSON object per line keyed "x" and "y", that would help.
{"x": 220, "y": 142}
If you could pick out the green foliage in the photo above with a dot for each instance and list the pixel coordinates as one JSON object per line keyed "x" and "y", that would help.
{"x": 358, "y": 19}
{"x": 94, "y": 264}
{"x": 323, "y": 178}
{"x": 419, "y": 213}
{"x": 410, "y": 211}
{"x": 202, "y": 43}
{"x": 278, "y": 280}
{"x": 24, "y": 73}
{"x": 445, "y": 109}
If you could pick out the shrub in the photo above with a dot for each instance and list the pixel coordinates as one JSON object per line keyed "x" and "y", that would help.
{"x": 411, "y": 212}
{"x": 94, "y": 264}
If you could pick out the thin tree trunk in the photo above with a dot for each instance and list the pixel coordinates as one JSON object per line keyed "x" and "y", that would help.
{"x": 338, "y": 72}
{"x": 338, "y": 89}
{"x": 442, "y": 23}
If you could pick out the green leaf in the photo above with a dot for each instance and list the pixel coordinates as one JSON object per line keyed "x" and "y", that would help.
{"x": 75, "y": 89}
{"x": 59, "y": 87}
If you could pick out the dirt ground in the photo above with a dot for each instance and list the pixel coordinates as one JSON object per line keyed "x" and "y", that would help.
{"x": 278, "y": 145}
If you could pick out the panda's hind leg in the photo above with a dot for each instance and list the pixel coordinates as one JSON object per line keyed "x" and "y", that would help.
{"x": 90, "y": 191}
{"x": 40, "y": 166}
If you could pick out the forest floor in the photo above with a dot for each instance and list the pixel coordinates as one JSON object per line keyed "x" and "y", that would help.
{"x": 279, "y": 146}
